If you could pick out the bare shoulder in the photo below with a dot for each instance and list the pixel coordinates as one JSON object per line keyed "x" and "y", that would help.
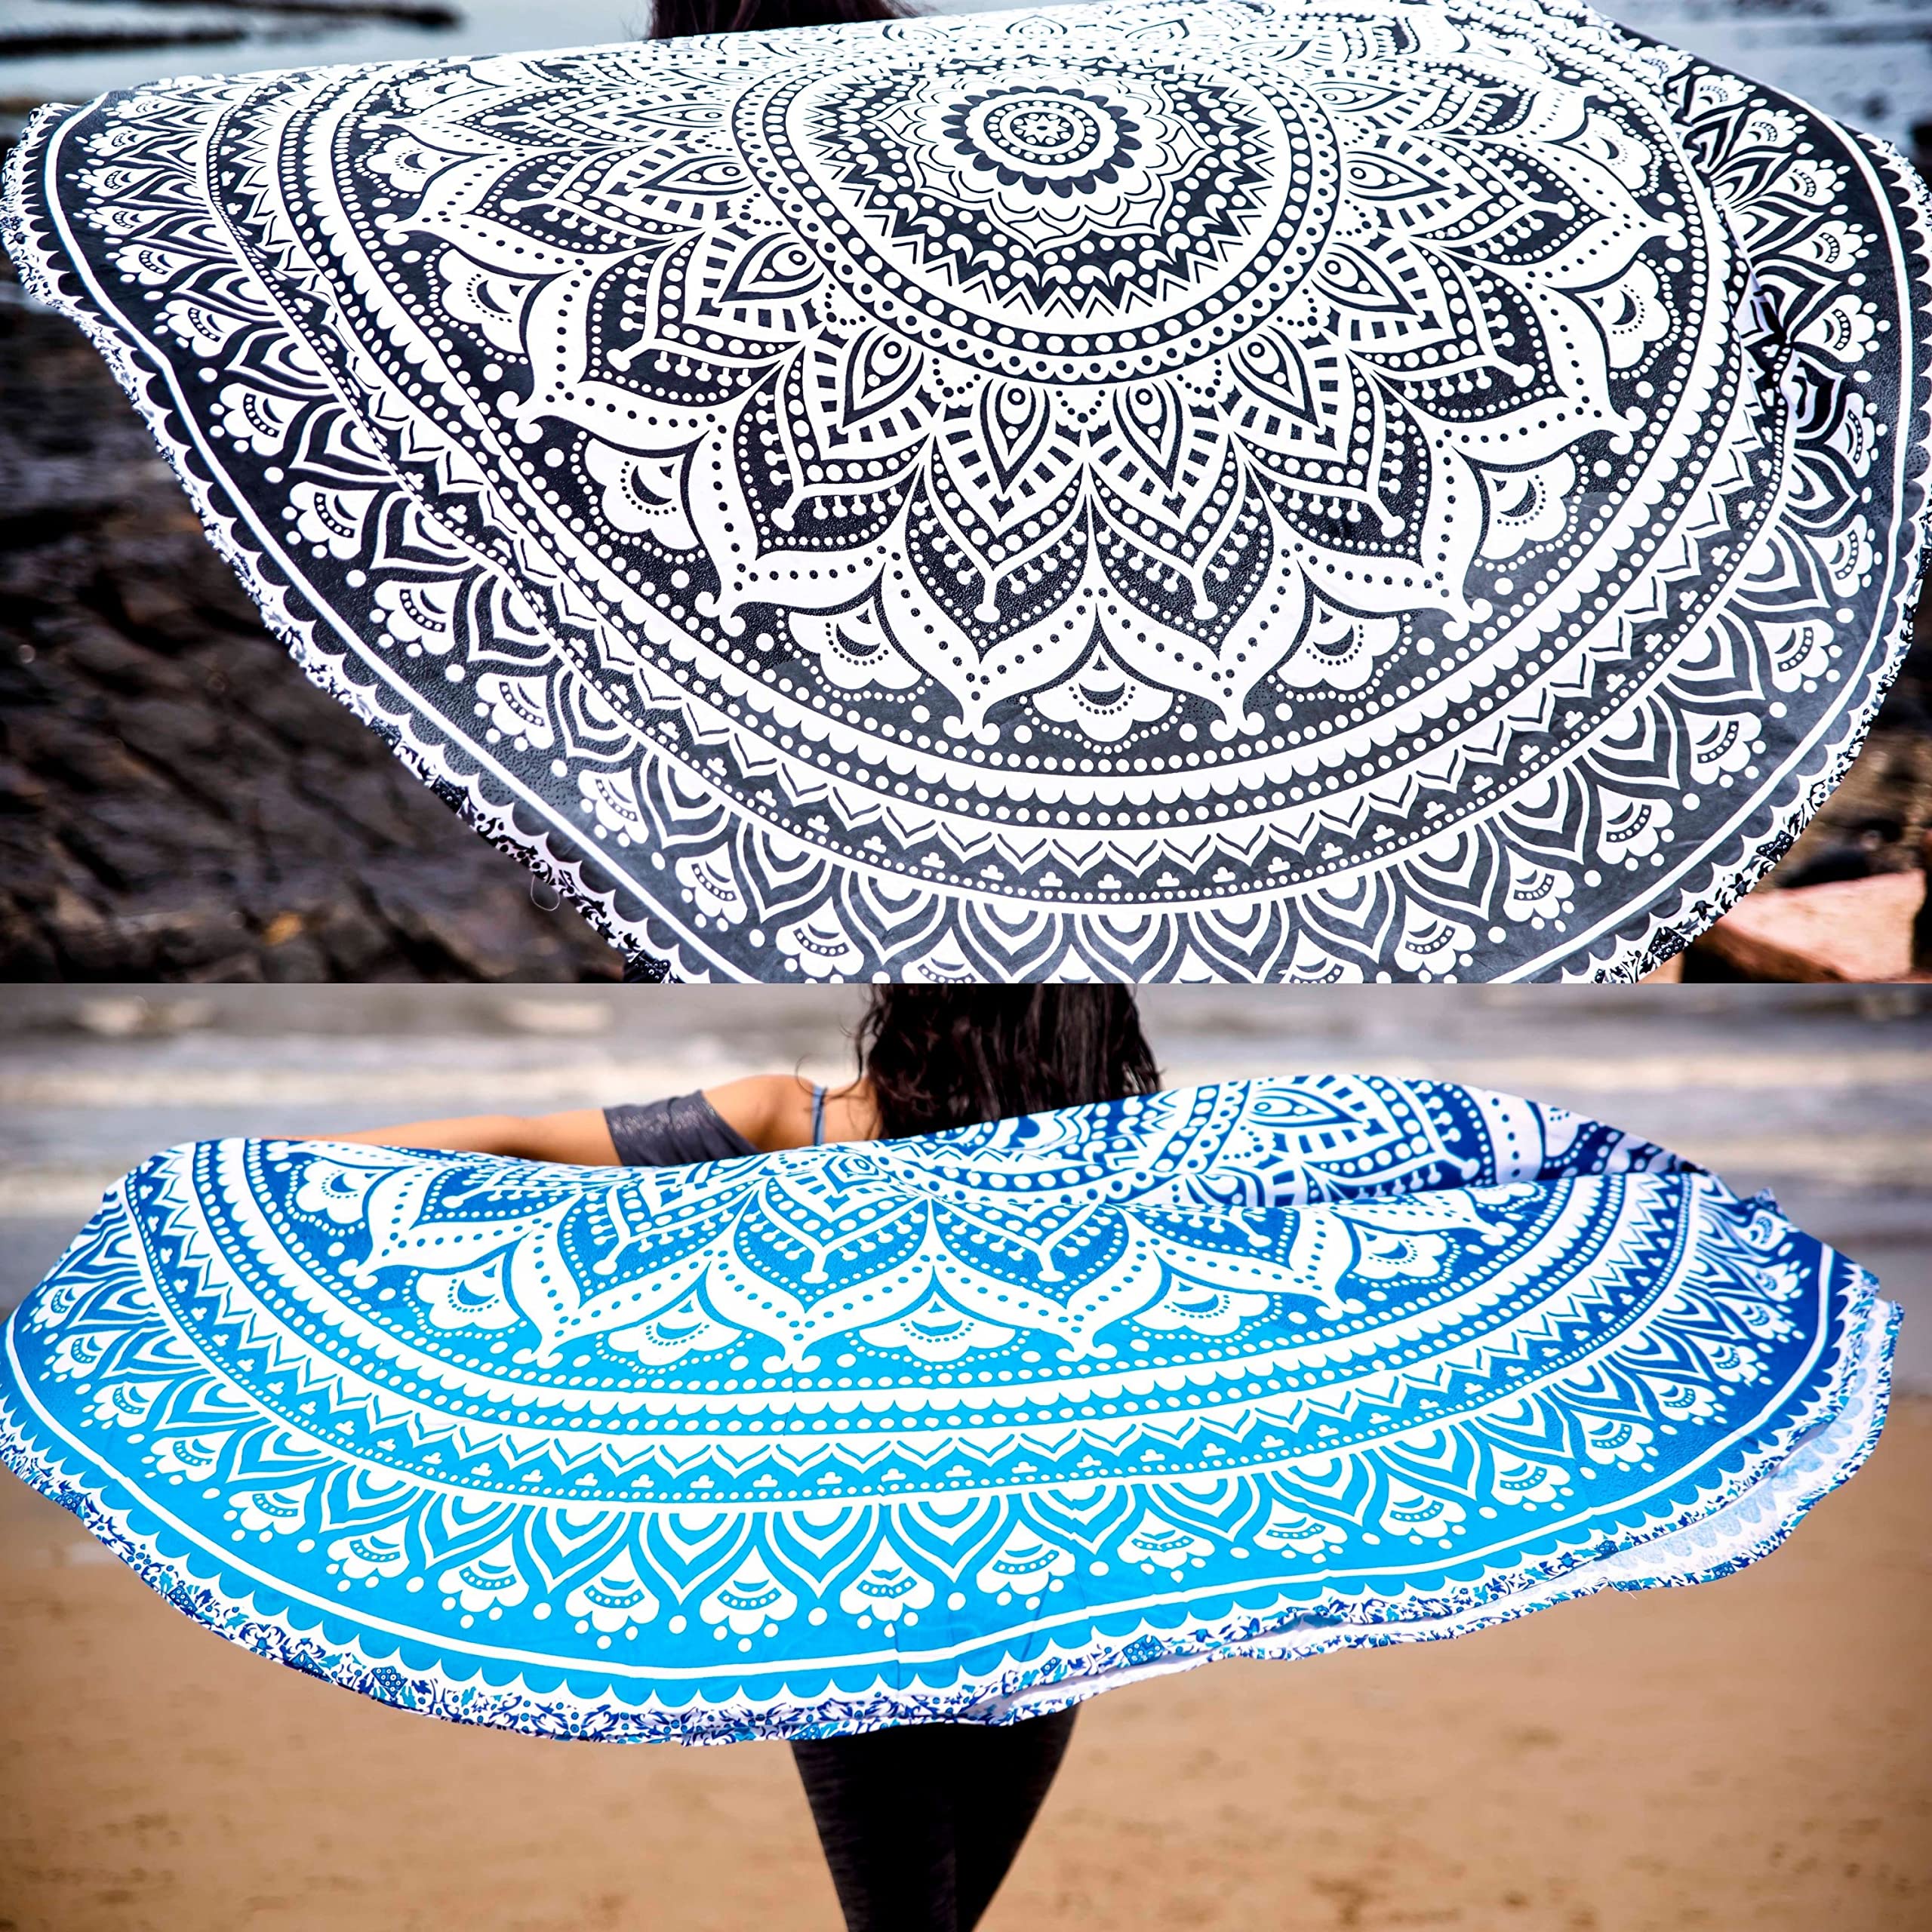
{"x": 772, "y": 1110}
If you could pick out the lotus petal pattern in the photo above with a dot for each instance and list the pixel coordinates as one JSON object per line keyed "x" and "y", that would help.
{"x": 962, "y": 1427}
{"x": 1419, "y": 489}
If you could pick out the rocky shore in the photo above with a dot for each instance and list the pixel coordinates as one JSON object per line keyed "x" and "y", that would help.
{"x": 177, "y": 802}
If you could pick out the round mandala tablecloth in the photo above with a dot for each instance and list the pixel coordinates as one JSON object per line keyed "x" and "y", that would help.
{"x": 964, "y": 1427}
{"x": 1393, "y": 488}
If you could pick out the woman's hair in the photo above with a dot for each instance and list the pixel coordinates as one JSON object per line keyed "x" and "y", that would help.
{"x": 670, "y": 19}
{"x": 941, "y": 1056}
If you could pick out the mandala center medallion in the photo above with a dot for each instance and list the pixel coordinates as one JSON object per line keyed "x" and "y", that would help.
{"x": 1083, "y": 220}
{"x": 1045, "y": 139}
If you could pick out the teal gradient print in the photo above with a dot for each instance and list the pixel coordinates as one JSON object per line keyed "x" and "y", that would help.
{"x": 967, "y": 1427}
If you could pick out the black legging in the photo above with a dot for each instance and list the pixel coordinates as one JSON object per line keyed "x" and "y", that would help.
{"x": 920, "y": 1824}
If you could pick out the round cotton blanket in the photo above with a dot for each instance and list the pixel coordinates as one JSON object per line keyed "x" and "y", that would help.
{"x": 1412, "y": 489}
{"x": 964, "y": 1427}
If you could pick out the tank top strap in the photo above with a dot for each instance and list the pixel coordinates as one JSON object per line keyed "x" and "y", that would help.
{"x": 818, "y": 1115}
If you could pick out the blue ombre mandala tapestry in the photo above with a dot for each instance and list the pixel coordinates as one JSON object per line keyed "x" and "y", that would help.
{"x": 1246, "y": 489}
{"x": 967, "y": 1427}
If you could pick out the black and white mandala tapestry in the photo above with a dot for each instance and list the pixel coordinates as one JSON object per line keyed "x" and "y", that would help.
{"x": 1363, "y": 489}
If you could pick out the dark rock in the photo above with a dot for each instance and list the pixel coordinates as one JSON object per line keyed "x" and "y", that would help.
{"x": 477, "y": 938}
{"x": 117, "y": 663}
{"x": 354, "y": 941}
{"x": 182, "y": 737}
{"x": 85, "y": 943}
{"x": 1921, "y": 923}
{"x": 289, "y": 711}
{"x": 152, "y": 607}
{"x": 135, "y": 848}
{"x": 361, "y": 799}
{"x": 177, "y": 801}
{"x": 74, "y": 749}
{"x": 199, "y": 930}
{"x": 20, "y": 791}
{"x": 295, "y": 831}
{"x": 23, "y": 944}
{"x": 232, "y": 969}
{"x": 38, "y": 578}
{"x": 300, "y": 958}
{"x": 1873, "y": 822}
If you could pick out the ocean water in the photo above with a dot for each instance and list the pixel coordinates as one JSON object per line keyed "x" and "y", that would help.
{"x": 1823, "y": 1094}
{"x": 487, "y": 26}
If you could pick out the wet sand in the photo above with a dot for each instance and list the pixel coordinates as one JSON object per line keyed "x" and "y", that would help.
{"x": 1747, "y": 1754}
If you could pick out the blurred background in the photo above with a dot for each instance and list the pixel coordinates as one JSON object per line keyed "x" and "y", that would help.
{"x": 1823, "y": 1094}
{"x": 178, "y": 803}
{"x": 1868, "y": 62}
{"x": 1749, "y": 1753}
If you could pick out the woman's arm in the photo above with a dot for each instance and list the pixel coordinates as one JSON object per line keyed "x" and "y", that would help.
{"x": 771, "y": 1110}
{"x": 579, "y": 1137}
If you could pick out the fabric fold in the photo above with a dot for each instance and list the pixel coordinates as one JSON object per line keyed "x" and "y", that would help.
{"x": 967, "y": 1427}
{"x": 1408, "y": 489}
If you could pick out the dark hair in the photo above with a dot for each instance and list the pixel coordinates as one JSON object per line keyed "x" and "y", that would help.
{"x": 671, "y": 18}
{"x": 941, "y": 1056}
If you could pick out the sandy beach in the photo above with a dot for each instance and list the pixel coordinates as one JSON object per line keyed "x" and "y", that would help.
{"x": 1749, "y": 1753}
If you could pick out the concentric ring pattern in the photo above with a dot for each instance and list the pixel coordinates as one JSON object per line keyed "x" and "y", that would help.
{"x": 1391, "y": 488}
{"x": 960, "y": 1427}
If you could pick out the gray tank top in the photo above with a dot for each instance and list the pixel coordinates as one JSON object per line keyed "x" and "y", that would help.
{"x": 686, "y": 1128}
{"x": 674, "y": 1133}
